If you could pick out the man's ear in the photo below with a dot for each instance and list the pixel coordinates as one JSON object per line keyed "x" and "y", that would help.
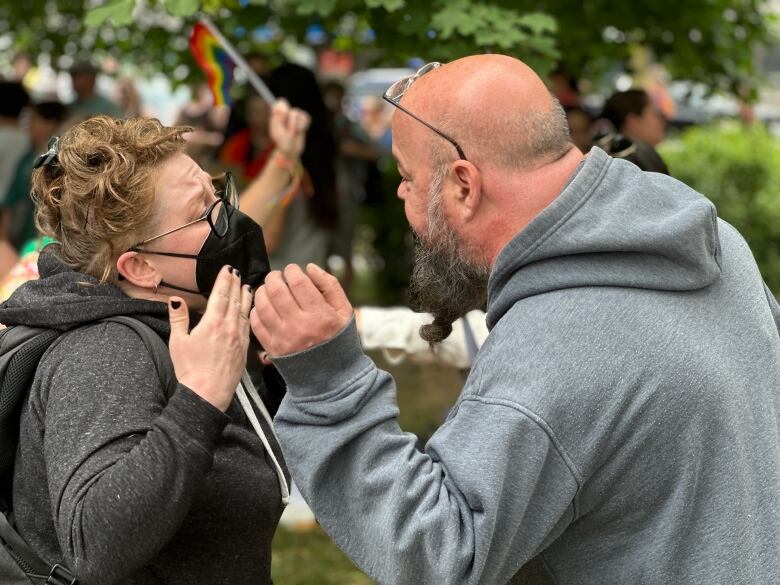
{"x": 138, "y": 269}
{"x": 468, "y": 182}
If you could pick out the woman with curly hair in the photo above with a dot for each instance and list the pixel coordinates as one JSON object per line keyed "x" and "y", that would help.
{"x": 116, "y": 478}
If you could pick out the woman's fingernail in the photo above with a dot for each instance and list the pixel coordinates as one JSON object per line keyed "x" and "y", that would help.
{"x": 237, "y": 272}
{"x": 175, "y": 305}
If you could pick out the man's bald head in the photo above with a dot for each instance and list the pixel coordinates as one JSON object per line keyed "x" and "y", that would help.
{"x": 514, "y": 136}
{"x": 497, "y": 109}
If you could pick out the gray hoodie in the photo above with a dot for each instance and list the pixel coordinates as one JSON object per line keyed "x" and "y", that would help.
{"x": 118, "y": 481}
{"x": 620, "y": 423}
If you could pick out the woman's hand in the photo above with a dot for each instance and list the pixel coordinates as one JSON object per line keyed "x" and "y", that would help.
{"x": 210, "y": 359}
{"x": 288, "y": 128}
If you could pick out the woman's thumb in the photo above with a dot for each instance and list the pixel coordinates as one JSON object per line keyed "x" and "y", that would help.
{"x": 178, "y": 316}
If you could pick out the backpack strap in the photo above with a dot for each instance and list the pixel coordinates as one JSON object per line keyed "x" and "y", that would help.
{"x": 20, "y": 350}
{"x": 29, "y": 561}
{"x": 23, "y": 554}
{"x": 157, "y": 349}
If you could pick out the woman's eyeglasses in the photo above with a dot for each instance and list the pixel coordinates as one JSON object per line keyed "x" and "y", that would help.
{"x": 217, "y": 214}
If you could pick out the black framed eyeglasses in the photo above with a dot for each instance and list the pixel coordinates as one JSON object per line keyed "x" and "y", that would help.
{"x": 217, "y": 214}
{"x": 50, "y": 156}
{"x": 396, "y": 91}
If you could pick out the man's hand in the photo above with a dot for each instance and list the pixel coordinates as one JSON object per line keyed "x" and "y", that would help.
{"x": 287, "y": 128}
{"x": 296, "y": 310}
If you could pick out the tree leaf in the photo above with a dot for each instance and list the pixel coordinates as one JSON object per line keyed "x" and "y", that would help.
{"x": 120, "y": 12}
{"x": 182, "y": 7}
{"x": 389, "y": 5}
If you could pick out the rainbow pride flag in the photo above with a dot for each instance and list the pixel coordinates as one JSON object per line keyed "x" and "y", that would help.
{"x": 214, "y": 61}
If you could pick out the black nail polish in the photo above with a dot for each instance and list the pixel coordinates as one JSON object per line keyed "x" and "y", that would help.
{"x": 175, "y": 305}
{"x": 237, "y": 272}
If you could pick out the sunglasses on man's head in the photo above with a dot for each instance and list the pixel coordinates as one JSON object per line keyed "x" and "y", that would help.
{"x": 396, "y": 91}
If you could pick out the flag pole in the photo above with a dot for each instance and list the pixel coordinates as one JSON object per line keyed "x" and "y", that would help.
{"x": 254, "y": 79}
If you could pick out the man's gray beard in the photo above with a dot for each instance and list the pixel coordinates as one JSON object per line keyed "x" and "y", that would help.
{"x": 443, "y": 281}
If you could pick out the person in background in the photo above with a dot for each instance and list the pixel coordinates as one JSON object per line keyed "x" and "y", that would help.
{"x": 13, "y": 139}
{"x": 17, "y": 209}
{"x": 13, "y": 145}
{"x": 357, "y": 154}
{"x": 248, "y": 150}
{"x": 259, "y": 63}
{"x": 375, "y": 120}
{"x": 208, "y": 122}
{"x": 579, "y": 127}
{"x": 309, "y": 221}
{"x": 619, "y": 146}
{"x": 634, "y": 114}
{"x": 128, "y": 98}
{"x": 564, "y": 87}
{"x": 89, "y": 102}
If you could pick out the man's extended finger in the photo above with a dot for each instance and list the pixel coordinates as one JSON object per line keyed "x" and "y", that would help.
{"x": 330, "y": 288}
{"x": 306, "y": 294}
{"x": 259, "y": 328}
{"x": 280, "y": 296}
{"x": 266, "y": 311}
{"x": 220, "y": 294}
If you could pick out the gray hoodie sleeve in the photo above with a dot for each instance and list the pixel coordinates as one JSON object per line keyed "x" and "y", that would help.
{"x": 123, "y": 465}
{"x": 773, "y": 306}
{"x": 491, "y": 490}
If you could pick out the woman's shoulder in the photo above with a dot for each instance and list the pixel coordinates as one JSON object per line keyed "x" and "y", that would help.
{"x": 99, "y": 351}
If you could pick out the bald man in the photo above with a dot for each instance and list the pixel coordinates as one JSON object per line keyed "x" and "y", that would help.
{"x": 621, "y": 423}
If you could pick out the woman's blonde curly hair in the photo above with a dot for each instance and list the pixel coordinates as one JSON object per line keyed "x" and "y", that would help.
{"x": 97, "y": 198}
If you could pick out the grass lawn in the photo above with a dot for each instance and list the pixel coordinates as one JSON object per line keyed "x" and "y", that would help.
{"x": 310, "y": 558}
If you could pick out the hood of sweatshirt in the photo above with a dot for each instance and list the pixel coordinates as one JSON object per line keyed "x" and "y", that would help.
{"x": 63, "y": 299}
{"x": 612, "y": 225}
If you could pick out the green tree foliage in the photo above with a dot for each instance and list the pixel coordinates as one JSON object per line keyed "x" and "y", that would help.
{"x": 711, "y": 41}
{"x": 703, "y": 40}
{"x": 737, "y": 168}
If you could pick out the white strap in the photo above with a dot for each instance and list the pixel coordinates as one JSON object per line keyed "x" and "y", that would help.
{"x": 246, "y": 382}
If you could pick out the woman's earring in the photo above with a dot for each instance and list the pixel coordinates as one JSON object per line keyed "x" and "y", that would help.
{"x": 155, "y": 287}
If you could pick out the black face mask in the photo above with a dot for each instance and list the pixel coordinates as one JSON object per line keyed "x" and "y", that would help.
{"x": 242, "y": 247}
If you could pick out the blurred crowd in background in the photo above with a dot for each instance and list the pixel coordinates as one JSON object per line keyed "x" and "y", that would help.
{"x": 349, "y": 173}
